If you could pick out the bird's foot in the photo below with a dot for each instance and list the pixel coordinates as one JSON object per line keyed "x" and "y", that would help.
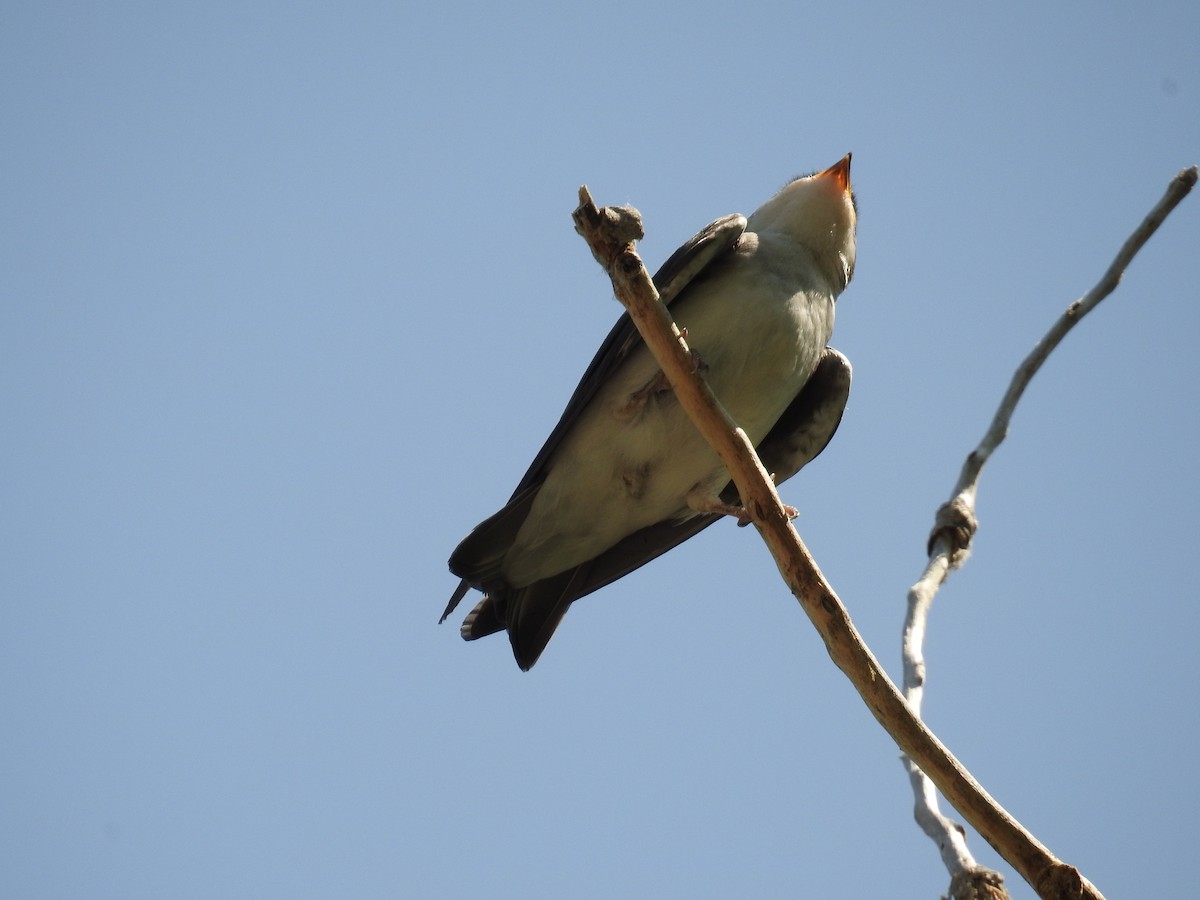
{"x": 708, "y": 504}
{"x": 636, "y": 402}
{"x": 659, "y": 384}
{"x": 790, "y": 511}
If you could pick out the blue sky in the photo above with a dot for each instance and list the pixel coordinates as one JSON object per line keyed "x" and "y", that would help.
{"x": 290, "y": 297}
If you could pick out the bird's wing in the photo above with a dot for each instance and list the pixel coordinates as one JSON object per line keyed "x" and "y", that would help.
{"x": 492, "y": 537}
{"x": 810, "y": 421}
{"x": 802, "y": 432}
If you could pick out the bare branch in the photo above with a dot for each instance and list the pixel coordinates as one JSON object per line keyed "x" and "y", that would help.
{"x": 1179, "y": 188}
{"x": 954, "y": 529}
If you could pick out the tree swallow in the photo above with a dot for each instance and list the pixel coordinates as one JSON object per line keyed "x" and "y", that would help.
{"x": 625, "y": 475}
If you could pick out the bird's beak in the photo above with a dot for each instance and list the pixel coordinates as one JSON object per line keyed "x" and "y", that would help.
{"x": 841, "y": 171}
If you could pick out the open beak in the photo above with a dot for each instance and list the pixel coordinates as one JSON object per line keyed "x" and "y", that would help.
{"x": 841, "y": 171}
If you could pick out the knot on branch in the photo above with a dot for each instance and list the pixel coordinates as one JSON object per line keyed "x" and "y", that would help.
{"x": 956, "y": 524}
{"x": 977, "y": 883}
{"x": 608, "y": 230}
{"x": 1063, "y": 882}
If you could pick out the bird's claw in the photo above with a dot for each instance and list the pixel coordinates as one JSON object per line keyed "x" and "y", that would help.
{"x": 790, "y": 511}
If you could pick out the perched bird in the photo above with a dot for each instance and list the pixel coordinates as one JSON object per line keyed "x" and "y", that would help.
{"x": 625, "y": 475}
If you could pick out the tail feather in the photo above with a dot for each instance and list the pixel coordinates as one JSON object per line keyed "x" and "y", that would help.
{"x": 483, "y": 620}
{"x": 455, "y": 599}
{"x": 533, "y": 612}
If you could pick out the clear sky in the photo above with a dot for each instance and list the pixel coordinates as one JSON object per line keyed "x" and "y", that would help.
{"x": 290, "y": 297}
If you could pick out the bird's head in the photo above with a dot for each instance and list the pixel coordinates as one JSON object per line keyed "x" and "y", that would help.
{"x": 817, "y": 211}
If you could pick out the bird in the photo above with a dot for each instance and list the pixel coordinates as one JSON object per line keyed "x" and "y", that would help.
{"x": 625, "y": 476}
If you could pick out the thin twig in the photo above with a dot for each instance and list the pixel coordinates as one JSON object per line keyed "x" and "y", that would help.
{"x": 636, "y": 292}
{"x": 950, "y": 540}
{"x": 1179, "y": 188}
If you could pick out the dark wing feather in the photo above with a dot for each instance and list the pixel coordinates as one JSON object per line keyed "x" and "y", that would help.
{"x": 810, "y": 421}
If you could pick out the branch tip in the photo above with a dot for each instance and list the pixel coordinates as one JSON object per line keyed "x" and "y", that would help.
{"x": 609, "y": 230}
